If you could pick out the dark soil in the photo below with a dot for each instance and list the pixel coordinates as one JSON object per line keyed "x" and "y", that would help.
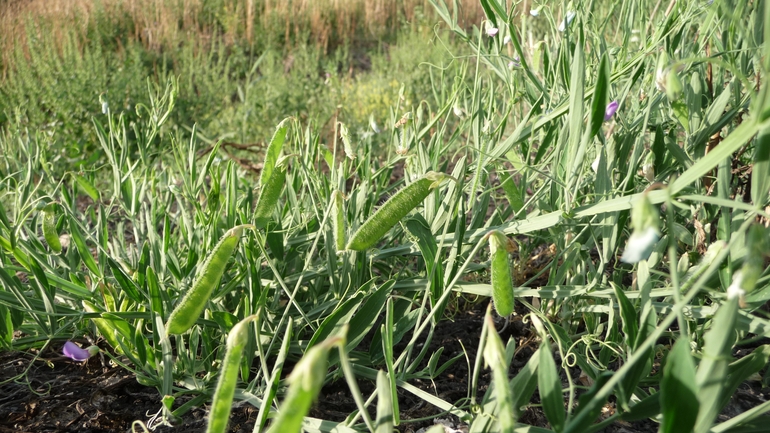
{"x": 59, "y": 395}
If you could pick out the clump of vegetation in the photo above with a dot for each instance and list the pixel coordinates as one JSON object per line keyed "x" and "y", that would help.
{"x": 629, "y": 144}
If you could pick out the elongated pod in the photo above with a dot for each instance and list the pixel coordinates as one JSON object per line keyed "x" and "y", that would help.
{"x": 396, "y": 208}
{"x": 222, "y": 402}
{"x": 190, "y": 307}
{"x": 270, "y": 193}
{"x": 49, "y": 227}
{"x": 338, "y": 220}
{"x": 502, "y": 284}
{"x": 305, "y": 383}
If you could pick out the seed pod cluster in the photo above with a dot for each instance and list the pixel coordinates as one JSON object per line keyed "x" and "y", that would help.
{"x": 396, "y": 208}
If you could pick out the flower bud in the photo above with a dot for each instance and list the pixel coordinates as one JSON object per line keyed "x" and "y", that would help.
{"x": 644, "y": 221}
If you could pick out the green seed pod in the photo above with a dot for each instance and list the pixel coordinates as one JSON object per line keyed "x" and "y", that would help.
{"x": 222, "y": 402}
{"x": 502, "y": 283}
{"x": 494, "y": 357}
{"x": 271, "y": 192}
{"x": 338, "y": 220}
{"x": 49, "y": 227}
{"x": 189, "y": 309}
{"x": 273, "y": 150}
{"x": 305, "y": 383}
{"x": 396, "y": 208}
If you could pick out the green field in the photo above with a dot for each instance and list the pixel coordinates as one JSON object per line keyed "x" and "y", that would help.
{"x": 253, "y": 203}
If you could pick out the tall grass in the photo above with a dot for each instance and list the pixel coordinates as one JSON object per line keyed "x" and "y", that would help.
{"x": 163, "y": 25}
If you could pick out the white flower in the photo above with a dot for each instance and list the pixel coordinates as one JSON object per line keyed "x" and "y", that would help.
{"x": 735, "y": 290}
{"x": 660, "y": 79}
{"x": 595, "y": 164}
{"x": 458, "y": 111}
{"x": 640, "y": 245}
{"x": 492, "y": 31}
{"x": 534, "y": 12}
{"x": 373, "y": 124}
{"x": 567, "y": 21}
{"x": 506, "y": 40}
{"x": 105, "y": 107}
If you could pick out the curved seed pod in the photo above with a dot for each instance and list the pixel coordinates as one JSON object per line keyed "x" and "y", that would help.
{"x": 502, "y": 284}
{"x": 305, "y": 383}
{"x": 274, "y": 150}
{"x": 396, "y": 208}
{"x": 271, "y": 192}
{"x": 187, "y": 311}
{"x": 222, "y": 402}
{"x": 49, "y": 227}
{"x": 338, "y": 220}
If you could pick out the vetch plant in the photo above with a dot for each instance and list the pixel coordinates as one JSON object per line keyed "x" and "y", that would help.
{"x": 194, "y": 301}
{"x": 612, "y": 107}
{"x": 76, "y": 353}
{"x": 228, "y": 376}
{"x": 147, "y": 247}
{"x": 500, "y": 266}
{"x": 644, "y": 221}
{"x": 567, "y": 21}
{"x": 395, "y": 209}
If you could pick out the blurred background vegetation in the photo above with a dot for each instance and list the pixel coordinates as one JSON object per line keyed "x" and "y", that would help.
{"x": 242, "y": 65}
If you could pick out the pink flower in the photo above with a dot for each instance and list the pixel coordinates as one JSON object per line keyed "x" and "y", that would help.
{"x": 491, "y": 31}
{"x": 75, "y": 352}
{"x": 612, "y": 107}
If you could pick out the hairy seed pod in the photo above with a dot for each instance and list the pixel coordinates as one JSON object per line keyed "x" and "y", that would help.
{"x": 396, "y": 208}
{"x": 305, "y": 383}
{"x": 222, "y": 402}
{"x": 338, "y": 220}
{"x": 49, "y": 227}
{"x": 271, "y": 192}
{"x": 502, "y": 284}
{"x": 189, "y": 309}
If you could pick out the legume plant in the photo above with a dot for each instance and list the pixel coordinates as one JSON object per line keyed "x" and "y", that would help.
{"x": 630, "y": 138}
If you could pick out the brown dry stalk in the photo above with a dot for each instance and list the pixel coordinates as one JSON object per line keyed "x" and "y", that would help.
{"x": 159, "y": 24}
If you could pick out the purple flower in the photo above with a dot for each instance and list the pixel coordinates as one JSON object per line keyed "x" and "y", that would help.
{"x": 612, "y": 107}
{"x": 74, "y": 352}
{"x": 515, "y": 63}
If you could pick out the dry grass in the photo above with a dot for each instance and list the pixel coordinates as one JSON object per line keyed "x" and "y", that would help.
{"x": 159, "y": 24}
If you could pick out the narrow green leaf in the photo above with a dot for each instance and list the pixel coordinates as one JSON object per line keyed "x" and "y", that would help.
{"x": 713, "y": 368}
{"x": 760, "y": 176}
{"x": 678, "y": 390}
{"x": 83, "y": 250}
{"x": 549, "y": 384}
{"x": 601, "y": 95}
{"x": 87, "y": 187}
{"x": 125, "y": 283}
{"x": 384, "y": 422}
